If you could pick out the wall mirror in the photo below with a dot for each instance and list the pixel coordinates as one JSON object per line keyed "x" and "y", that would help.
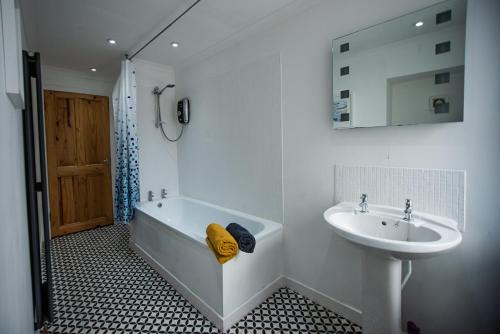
{"x": 409, "y": 70}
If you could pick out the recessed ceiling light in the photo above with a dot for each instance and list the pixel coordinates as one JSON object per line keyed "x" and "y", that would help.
{"x": 111, "y": 41}
{"x": 93, "y": 69}
{"x": 175, "y": 44}
{"x": 419, "y": 24}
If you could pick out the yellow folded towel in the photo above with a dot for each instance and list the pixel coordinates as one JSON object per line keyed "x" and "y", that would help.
{"x": 221, "y": 243}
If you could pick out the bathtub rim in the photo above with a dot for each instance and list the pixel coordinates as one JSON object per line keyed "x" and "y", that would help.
{"x": 270, "y": 227}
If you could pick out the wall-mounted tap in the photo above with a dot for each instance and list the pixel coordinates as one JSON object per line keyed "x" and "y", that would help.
{"x": 150, "y": 196}
{"x": 364, "y": 203}
{"x": 408, "y": 210}
{"x": 164, "y": 193}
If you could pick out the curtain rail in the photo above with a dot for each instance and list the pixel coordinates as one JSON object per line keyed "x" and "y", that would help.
{"x": 163, "y": 30}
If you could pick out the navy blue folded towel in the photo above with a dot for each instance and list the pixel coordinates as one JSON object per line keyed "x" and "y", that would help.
{"x": 246, "y": 241}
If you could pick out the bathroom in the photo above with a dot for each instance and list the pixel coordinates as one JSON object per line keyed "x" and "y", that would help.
{"x": 262, "y": 146}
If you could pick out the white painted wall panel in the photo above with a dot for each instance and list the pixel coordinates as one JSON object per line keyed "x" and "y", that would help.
{"x": 157, "y": 156}
{"x": 16, "y": 302}
{"x": 231, "y": 154}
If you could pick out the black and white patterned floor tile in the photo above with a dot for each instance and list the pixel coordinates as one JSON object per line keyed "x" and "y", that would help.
{"x": 101, "y": 286}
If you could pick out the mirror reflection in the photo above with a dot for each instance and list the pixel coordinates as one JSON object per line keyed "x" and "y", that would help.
{"x": 409, "y": 70}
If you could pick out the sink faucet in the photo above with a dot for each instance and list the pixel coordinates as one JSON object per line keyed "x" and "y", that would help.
{"x": 408, "y": 210}
{"x": 150, "y": 195}
{"x": 364, "y": 203}
{"x": 163, "y": 193}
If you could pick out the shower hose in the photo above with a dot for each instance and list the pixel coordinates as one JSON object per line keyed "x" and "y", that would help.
{"x": 161, "y": 122}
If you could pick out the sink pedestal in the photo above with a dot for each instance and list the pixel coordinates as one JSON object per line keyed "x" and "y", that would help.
{"x": 385, "y": 238}
{"x": 381, "y": 293}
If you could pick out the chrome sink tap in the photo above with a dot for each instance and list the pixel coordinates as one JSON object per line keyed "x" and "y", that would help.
{"x": 408, "y": 210}
{"x": 150, "y": 196}
{"x": 364, "y": 203}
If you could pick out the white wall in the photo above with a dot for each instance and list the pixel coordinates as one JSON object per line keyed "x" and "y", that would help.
{"x": 231, "y": 154}
{"x": 16, "y": 304}
{"x": 454, "y": 293}
{"x": 67, "y": 80}
{"x": 157, "y": 156}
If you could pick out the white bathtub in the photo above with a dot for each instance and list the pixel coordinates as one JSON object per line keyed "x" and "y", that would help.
{"x": 170, "y": 235}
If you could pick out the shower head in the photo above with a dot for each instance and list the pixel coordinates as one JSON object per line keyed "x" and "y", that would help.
{"x": 158, "y": 91}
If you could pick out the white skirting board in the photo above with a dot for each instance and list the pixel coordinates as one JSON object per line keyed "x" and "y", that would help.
{"x": 222, "y": 323}
{"x": 328, "y": 302}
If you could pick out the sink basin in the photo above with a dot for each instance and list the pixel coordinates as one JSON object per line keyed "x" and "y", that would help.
{"x": 386, "y": 239}
{"x": 383, "y": 229}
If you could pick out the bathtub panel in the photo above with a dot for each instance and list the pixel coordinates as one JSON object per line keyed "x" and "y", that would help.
{"x": 188, "y": 261}
{"x": 250, "y": 273}
{"x": 170, "y": 235}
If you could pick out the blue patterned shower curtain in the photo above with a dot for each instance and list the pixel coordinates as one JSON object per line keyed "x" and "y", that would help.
{"x": 126, "y": 144}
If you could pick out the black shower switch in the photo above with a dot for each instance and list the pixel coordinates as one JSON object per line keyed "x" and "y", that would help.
{"x": 443, "y": 47}
{"x": 442, "y": 108}
{"x": 440, "y": 105}
{"x": 441, "y": 78}
{"x": 344, "y": 117}
{"x": 344, "y": 47}
{"x": 344, "y": 94}
{"x": 443, "y": 17}
{"x": 344, "y": 70}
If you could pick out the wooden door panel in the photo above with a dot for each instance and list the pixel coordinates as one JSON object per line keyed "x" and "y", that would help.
{"x": 95, "y": 203}
{"x": 78, "y": 161}
{"x": 93, "y": 132}
{"x": 65, "y": 132}
{"x": 82, "y": 196}
{"x": 68, "y": 200}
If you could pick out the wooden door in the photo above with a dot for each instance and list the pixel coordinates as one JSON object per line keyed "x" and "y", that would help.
{"x": 78, "y": 161}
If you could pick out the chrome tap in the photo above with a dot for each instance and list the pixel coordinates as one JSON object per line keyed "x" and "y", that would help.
{"x": 408, "y": 210}
{"x": 150, "y": 196}
{"x": 364, "y": 203}
{"x": 164, "y": 193}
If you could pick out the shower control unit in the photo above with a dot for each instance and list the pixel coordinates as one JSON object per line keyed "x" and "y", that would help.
{"x": 183, "y": 111}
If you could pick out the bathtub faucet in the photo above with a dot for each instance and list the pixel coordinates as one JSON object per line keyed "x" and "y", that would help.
{"x": 150, "y": 195}
{"x": 163, "y": 193}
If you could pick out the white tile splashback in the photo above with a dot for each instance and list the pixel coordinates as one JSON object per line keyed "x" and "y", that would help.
{"x": 438, "y": 192}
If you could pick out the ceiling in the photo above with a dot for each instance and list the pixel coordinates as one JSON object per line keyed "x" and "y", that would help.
{"x": 72, "y": 33}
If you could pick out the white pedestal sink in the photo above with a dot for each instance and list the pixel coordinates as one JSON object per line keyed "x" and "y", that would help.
{"x": 387, "y": 239}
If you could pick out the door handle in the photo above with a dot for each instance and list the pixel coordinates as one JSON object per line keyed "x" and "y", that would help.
{"x": 105, "y": 161}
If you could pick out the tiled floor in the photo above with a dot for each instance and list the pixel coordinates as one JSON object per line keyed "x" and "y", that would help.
{"x": 101, "y": 286}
